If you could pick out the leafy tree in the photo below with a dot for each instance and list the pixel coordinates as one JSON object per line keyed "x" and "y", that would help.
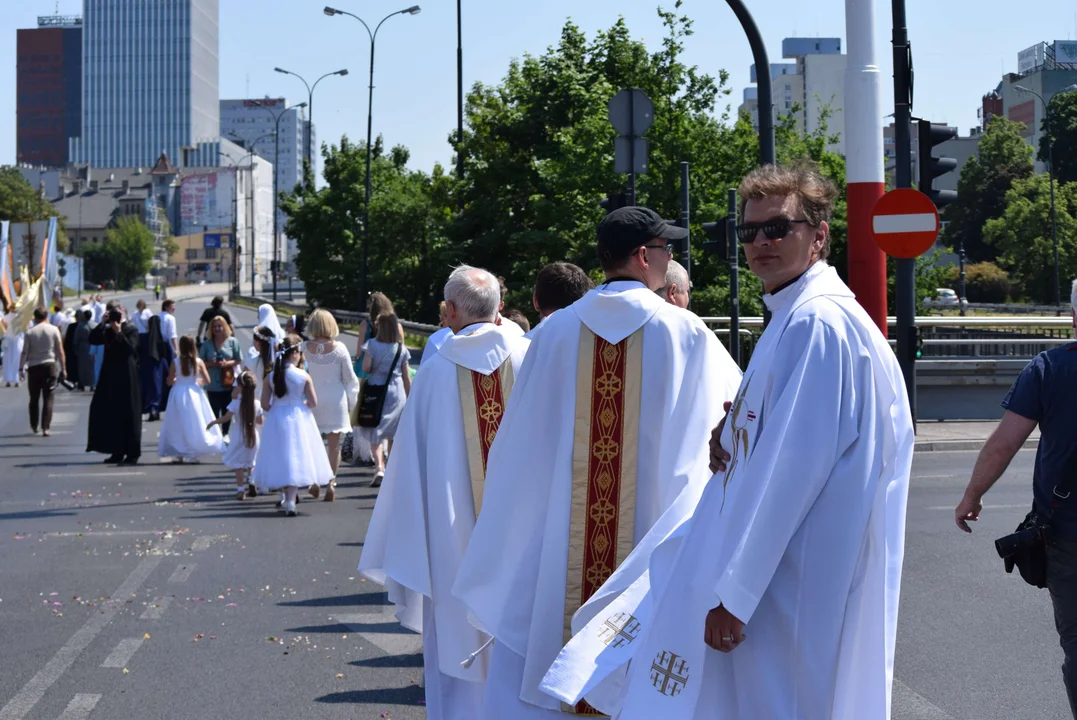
{"x": 1022, "y": 236}
{"x": 1002, "y": 159}
{"x": 985, "y": 282}
{"x": 20, "y": 202}
{"x": 125, "y": 255}
{"x": 1063, "y": 133}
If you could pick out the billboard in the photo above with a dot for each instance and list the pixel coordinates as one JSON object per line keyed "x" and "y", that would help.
{"x": 206, "y": 201}
{"x": 1066, "y": 52}
{"x": 1030, "y": 58}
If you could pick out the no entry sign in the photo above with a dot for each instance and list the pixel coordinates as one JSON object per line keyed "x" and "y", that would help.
{"x": 905, "y": 223}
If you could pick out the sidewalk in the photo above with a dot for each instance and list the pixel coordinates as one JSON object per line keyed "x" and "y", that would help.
{"x": 933, "y": 435}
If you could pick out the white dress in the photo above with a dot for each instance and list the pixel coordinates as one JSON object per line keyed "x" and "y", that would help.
{"x": 12, "y": 356}
{"x": 291, "y": 452}
{"x": 238, "y": 454}
{"x": 183, "y": 431}
{"x": 336, "y": 386}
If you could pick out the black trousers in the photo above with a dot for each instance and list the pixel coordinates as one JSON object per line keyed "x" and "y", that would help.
{"x": 218, "y": 400}
{"x": 42, "y": 381}
{"x": 1062, "y": 583}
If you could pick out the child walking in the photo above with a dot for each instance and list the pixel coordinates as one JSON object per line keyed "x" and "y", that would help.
{"x": 243, "y": 447}
{"x": 291, "y": 454}
{"x": 187, "y": 433}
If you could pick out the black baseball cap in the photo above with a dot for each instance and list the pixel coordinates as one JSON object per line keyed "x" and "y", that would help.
{"x": 627, "y": 228}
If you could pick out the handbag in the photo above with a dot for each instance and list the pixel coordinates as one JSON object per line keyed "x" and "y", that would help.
{"x": 372, "y": 402}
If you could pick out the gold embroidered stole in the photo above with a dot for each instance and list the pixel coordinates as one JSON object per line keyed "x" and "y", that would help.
{"x": 604, "y": 455}
{"x": 483, "y": 399}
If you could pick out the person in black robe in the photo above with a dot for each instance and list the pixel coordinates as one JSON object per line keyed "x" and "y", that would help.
{"x": 84, "y": 380}
{"x": 153, "y": 353}
{"x": 72, "y": 367}
{"x": 115, "y": 425}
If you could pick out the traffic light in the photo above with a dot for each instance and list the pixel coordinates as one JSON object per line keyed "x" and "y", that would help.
{"x": 62, "y": 272}
{"x": 932, "y": 167}
{"x": 917, "y": 343}
{"x": 716, "y": 239}
{"x": 614, "y": 201}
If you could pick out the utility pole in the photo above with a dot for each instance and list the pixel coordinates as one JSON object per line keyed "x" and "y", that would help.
{"x": 905, "y": 290}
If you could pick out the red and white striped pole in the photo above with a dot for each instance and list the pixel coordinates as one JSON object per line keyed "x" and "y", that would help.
{"x": 864, "y": 158}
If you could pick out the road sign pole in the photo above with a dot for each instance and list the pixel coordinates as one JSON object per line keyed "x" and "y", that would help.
{"x": 734, "y": 276}
{"x": 632, "y": 148}
{"x": 684, "y": 221}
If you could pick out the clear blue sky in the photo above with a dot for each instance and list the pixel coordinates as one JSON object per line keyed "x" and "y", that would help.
{"x": 961, "y": 50}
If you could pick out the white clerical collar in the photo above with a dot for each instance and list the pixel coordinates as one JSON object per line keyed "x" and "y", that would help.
{"x": 613, "y": 311}
{"x": 781, "y": 298}
{"x": 481, "y": 347}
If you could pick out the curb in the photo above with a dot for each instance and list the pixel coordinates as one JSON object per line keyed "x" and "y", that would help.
{"x": 962, "y": 445}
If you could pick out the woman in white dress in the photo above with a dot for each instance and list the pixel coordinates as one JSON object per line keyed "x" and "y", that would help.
{"x": 13, "y": 343}
{"x": 291, "y": 454}
{"x": 385, "y": 360}
{"x": 330, "y": 368}
{"x": 187, "y": 432}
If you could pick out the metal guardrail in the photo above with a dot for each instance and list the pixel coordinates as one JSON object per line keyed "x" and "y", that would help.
{"x": 346, "y": 316}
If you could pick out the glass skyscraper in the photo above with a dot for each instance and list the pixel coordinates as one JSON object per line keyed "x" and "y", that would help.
{"x": 150, "y": 82}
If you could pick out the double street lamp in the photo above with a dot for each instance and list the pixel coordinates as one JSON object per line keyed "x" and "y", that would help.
{"x": 1051, "y": 176}
{"x": 413, "y": 10}
{"x": 310, "y": 104}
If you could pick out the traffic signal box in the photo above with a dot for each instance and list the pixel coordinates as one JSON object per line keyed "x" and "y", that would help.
{"x": 932, "y": 167}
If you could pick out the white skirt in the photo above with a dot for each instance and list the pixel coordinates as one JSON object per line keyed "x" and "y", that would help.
{"x": 183, "y": 430}
{"x": 12, "y": 357}
{"x": 291, "y": 452}
{"x": 237, "y": 454}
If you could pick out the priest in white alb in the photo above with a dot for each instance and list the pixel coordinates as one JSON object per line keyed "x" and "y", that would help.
{"x": 557, "y": 286}
{"x": 432, "y": 491}
{"x": 608, "y": 422}
{"x": 774, "y": 595}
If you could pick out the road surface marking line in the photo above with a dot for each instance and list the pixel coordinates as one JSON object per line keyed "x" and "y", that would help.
{"x": 95, "y": 475}
{"x": 908, "y": 705}
{"x": 1018, "y": 506}
{"x": 935, "y": 477}
{"x": 392, "y": 643}
{"x": 920, "y": 222}
{"x": 203, "y": 543}
{"x": 119, "y": 657}
{"x": 80, "y": 708}
{"x": 64, "y": 417}
{"x": 92, "y": 533}
{"x": 20, "y": 705}
{"x": 156, "y": 609}
{"x": 182, "y": 573}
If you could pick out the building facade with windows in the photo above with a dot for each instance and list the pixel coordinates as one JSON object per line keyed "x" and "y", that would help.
{"x": 48, "y": 96}
{"x": 1044, "y": 69}
{"x": 150, "y": 83}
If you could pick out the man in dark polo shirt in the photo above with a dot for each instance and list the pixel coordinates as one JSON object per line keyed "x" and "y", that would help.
{"x": 1045, "y": 394}
{"x": 214, "y": 310}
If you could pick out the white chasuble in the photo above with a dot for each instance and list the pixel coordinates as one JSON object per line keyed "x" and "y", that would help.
{"x": 426, "y": 509}
{"x": 608, "y": 422}
{"x": 802, "y": 539}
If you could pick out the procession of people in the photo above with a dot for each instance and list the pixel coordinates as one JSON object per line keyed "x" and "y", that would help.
{"x": 598, "y": 515}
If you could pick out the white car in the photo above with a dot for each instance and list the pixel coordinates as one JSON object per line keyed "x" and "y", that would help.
{"x": 945, "y": 297}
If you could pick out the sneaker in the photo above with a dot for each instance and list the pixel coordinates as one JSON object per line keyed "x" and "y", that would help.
{"x": 241, "y": 493}
{"x": 378, "y": 477}
{"x": 331, "y": 493}
{"x": 289, "y": 509}
{"x": 315, "y": 490}
{"x": 252, "y": 491}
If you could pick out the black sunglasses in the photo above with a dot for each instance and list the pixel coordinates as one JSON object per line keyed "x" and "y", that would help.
{"x": 774, "y": 229}
{"x": 668, "y": 248}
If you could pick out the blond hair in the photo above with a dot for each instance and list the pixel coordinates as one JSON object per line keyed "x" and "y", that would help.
{"x": 815, "y": 193}
{"x": 322, "y": 324}
{"x": 220, "y": 318}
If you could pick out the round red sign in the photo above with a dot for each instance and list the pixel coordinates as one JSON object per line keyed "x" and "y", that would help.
{"x": 905, "y": 223}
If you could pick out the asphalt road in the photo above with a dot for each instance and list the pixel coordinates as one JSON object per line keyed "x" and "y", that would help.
{"x": 150, "y": 592}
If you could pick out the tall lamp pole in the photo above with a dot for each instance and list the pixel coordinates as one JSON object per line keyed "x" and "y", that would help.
{"x": 310, "y": 106}
{"x": 413, "y": 10}
{"x": 1050, "y": 177}
{"x": 459, "y": 101}
{"x": 276, "y": 193}
{"x": 249, "y": 144}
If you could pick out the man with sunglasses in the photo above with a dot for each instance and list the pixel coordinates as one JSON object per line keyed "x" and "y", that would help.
{"x": 775, "y": 592}
{"x": 608, "y": 422}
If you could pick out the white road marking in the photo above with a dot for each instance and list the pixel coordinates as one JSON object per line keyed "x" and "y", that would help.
{"x": 203, "y": 542}
{"x": 1020, "y": 506}
{"x": 119, "y": 657}
{"x": 908, "y": 705}
{"x": 19, "y": 706}
{"x": 80, "y": 707}
{"x": 91, "y": 533}
{"x": 95, "y": 475}
{"x": 934, "y": 477}
{"x": 401, "y": 642}
{"x": 156, "y": 609}
{"x": 63, "y": 417}
{"x": 182, "y": 573}
{"x": 920, "y": 222}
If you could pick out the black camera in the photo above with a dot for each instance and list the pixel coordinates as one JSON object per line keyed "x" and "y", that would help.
{"x": 1023, "y": 539}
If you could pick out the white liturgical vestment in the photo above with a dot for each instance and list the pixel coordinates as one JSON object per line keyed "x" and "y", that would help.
{"x": 426, "y": 508}
{"x": 609, "y": 420}
{"x": 801, "y": 538}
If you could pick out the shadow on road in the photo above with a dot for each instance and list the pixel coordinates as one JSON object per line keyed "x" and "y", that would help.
{"x": 411, "y": 695}
{"x": 341, "y": 601}
{"x": 391, "y": 661}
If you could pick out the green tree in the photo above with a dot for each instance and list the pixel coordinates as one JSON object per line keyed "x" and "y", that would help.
{"x": 20, "y": 202}
{"x": 1002, "y": 159}
{"x": 125, "y": 255}
{"x": 1022, "y": 237}
{"x": 1063, "y": 134}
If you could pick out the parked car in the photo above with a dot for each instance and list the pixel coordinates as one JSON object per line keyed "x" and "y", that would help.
{"x": 945, "y": 297}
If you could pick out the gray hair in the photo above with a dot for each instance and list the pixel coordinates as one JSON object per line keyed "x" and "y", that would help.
{"x": 474, "y": 292}
{"x": 675, "y": 274}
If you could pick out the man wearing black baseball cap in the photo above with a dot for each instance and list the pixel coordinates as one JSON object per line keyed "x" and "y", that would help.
{"x": 608, "y": 423}
{"x": 635, "y": 243}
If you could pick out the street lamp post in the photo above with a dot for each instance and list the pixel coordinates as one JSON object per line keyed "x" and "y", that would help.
{"x": 251, "y": 218}
{"x": 276, "y": 193}
{"x": 459, "y": 103}
{"x": 1051, "y": 178}
{"x": 310, "y": 105}
{"x": 413, "y": 10}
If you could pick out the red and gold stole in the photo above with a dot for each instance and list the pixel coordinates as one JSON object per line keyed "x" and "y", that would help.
{"x": 483, "y": 399}
{"x": 604, "y": 454}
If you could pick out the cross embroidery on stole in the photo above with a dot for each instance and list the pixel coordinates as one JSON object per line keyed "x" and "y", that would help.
{"x": 482, "y": 399}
